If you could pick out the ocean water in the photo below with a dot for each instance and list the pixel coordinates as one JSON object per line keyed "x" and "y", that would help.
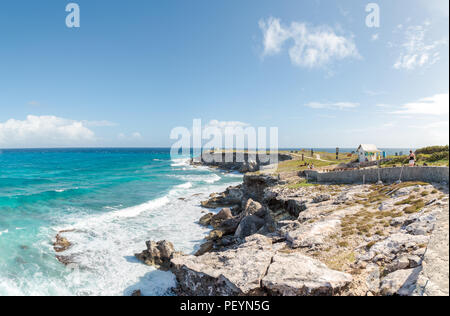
{"x": 110, "y": 201}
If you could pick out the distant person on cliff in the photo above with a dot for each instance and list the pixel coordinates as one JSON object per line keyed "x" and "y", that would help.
{"x": 412, "y": 159}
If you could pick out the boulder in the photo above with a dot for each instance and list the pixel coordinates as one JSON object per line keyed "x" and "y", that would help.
{"x": 401, "y": 282}
{"x": 158, "y": 254}
{"x": 373, "y": 278}
{"x": 321, "y": 198}
{"x": 61, "y": 244}
{"x": 231, "y": 197}
{"x": 294, "y": 274}
{"x": 253, "y": 208}
{"x": 205, "y": 220}
{"x": 248, "y": 226}
{"x": 236, "y": 271}
{"x": 215, "y": 234}
{"x": 204, "y": 248}
{"x": 341, "y": 199}
{"x": 229, "y": 226}
{"x": 250, "y": 166}
{"x": 217, "y": 220}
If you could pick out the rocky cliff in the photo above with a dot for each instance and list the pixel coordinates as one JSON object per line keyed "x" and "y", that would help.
{"x": 275, "y": 237}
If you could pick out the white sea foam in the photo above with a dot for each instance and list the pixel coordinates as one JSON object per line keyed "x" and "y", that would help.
{"x": 186, "y": 185}
{"x": 4, "y": 232}
{"x": 180, "y": 162}
{"x": 104, "y": 244}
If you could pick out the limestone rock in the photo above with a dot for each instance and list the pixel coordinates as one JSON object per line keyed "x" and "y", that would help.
{"x": 61, "y": 244}
{"x": 395, "y": 245}
{"x": 158, "y": 254}
{"x": 236, "y": 271}
{"x": 314, "y": 234}
{"x": 373, "y": 278}
{"x": 215, "y": 235}
{"x": 253, "y": 208}
{"x": 401, "y": 282}
{"x": 341, "y": 199}
{"x": 231, "y": 197}
{"x": 249, "y": 226}
{"x": 205, "y": 220}
{"x": 321, "y": 198}
{"x": 295, "y": 207}
{"x": 229, "y": 226}
{"x": 204, "y": 248}
{"x": 293, "y": 274}
{"x": 219, "y": 218}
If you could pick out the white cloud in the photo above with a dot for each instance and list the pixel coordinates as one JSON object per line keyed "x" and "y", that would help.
{"x": 436, "y": 105}
{"x": 375, "y": 37}
{"x": 44, "y": 131}
{"x": 312, "y": 47}
{"x": 335, "y": 105}
{"x": 416, "y": 52}
{"x": 225, "y": 124}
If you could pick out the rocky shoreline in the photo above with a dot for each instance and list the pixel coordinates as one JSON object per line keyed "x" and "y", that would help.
{"x": 288, "y": 237}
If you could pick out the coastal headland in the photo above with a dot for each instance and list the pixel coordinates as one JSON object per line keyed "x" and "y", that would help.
{"x": 281, "y": 232}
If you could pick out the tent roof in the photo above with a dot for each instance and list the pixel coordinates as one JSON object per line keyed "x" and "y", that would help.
{"x": 369, "y": 148}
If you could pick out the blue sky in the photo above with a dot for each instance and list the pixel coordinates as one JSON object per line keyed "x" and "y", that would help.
{"x": 134, "y": 70}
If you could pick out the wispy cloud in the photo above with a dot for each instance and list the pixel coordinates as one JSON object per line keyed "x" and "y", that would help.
{"x": 436, "y": 105}
{"x": 416, "y": 51}
{"x": 375, "y": 37}
{"x": 43, "y": 131}
{"x": 333, "y": 106}
{"x": 312, "y": 46}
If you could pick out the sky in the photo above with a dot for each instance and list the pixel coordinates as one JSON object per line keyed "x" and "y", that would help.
{"x": 134, "y": 70}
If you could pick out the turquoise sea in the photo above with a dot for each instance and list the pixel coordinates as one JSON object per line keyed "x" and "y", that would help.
{"x": 110, "y": 201}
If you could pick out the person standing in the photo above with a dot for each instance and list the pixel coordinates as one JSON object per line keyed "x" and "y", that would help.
{"x": 412, "y": 159}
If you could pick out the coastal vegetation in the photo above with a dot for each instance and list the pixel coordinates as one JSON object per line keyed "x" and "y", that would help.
{"x": 431, "y": 156}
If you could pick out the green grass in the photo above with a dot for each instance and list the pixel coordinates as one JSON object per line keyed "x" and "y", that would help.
{"x": 302, "y": 184}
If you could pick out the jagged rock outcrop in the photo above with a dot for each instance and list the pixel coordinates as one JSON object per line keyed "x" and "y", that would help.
{"x": 396, "y": 245}
{"x": 401, "y": 282}
{"x": 231, "y": 197}
{"x": 294, "y": 274}
{"x": 255, "y": 184}
{"x": 295, "y": 207}
{"x": 61, "y": 244}
{"x": 158, "y": 254}
{"x": 321, "y": 198}
{"x": 249, "y": 225}
{"x": 237, "y": 271}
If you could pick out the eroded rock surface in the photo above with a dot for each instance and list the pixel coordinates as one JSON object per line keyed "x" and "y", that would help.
{"x": 294, "y": 274}
{"x": 158, "y": 254}
{"x": 236, "y": 271}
